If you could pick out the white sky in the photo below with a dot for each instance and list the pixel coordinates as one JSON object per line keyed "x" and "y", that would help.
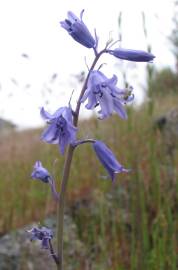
{"x": 32, "y": 27}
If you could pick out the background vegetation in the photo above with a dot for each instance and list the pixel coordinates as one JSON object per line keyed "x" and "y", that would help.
{"x": 130, "y": 224}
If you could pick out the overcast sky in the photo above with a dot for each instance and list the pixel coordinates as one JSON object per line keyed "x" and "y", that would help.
{"x": 34, "y": 47}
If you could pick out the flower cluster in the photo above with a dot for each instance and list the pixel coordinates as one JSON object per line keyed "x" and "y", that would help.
{"x": 98, "y": 91}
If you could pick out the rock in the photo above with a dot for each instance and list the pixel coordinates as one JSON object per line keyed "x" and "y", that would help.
{"x": 168, "y": 126}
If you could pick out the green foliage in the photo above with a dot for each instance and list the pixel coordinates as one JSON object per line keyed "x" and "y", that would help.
{"x": 174, "y": 35}
{"x": 128, "y": 225}
{"x": 164, "y": 82}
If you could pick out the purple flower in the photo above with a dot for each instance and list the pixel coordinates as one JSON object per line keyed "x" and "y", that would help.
{"x": 78, "y": 30}
{"x": 43, "y": 234}
{"x": 108, "y": 160}
{"x": 104, "y": 92}
{"x": 60, "y": 130}
{"x": 132, "y": 55}
{"x": 40, "y": 173}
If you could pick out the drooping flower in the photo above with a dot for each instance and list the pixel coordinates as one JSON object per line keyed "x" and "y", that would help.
{"x": 132, "y": 55}
{"x": 108, "y": 160}
{"x": 104, "y": 92}
{"x": 40, "y": 173}
{"x": 78, "y": 30}
{"x": 43, "y": 234}
{"x": 60, "y": 130}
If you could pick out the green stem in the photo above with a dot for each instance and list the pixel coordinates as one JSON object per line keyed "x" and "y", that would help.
{"x": 66, "y": 172}
{"x": 60, "y": 210}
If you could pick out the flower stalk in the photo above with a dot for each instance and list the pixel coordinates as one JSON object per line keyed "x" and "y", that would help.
{"x": 60, "y": 210}
{"x": 53, "y": 255}
{"x": 66, "y": 172}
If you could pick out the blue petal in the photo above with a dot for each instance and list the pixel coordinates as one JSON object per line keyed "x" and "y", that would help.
{"x": 64, "y": 140}
{"x": 91, "y": 102}
{"x": 112, "y": 81}
{"x": 65, "y": 25}
{"x": 45, "y": 115}
{"x": 72, "y": 131}
{"x": 37, "y": 164}
{"x": 69, "y": 136}
{"x": 119, "y": 109}
{"x": 59, "y": 112}
{"x": 86, "y": 94}
{"x": 67, "y": 114}
{"x": 81, "y": 34}
{"x": 91, "y": 98}
{"x": 50, "y": 134}
{"x": 49, "y": 117}
{"x": 45, "y": 243}
{"x": 106, "y": 103}
{"x": 72, "y": 17}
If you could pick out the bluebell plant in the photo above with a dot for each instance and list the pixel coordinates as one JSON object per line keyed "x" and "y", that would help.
{"x": 99, "y": 91}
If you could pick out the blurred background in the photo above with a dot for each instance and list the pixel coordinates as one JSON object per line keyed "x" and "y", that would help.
{"x": 133, "y": 223}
